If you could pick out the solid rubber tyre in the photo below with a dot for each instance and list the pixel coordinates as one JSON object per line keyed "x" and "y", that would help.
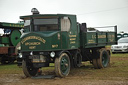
{"x": 77, "y": 60}
{"x": 29, "y": 70}
{"x": 104, "y": 59}
{"x": 94, "y": 61}
{"x": 62, "y": 65}
{"x": 95, "y": 54}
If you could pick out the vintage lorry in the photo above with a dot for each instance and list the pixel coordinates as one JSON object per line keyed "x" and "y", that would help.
{"x": 60, "y": 39}
{"x": 9, "y": 40}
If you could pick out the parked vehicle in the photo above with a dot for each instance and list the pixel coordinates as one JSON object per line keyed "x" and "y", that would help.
{"x": 9, "y": 41}
{"x": 125, "y": 35}
{"x": 122, "y": 46}
{"x": 119, "y": 35}
{"x": 60, "y": 39}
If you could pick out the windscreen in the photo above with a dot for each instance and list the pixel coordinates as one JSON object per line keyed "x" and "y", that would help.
{"x": 123, "y": 40}
{"x": 45, "y": 24}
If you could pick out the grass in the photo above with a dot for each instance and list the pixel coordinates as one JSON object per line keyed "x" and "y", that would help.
{"x": 120, "y": 55}
{"x": 118, "y": 68}
{"x": 10, "y": 69}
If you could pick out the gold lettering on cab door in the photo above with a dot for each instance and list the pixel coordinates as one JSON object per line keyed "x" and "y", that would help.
{"x": 72, "y": 39}
{"x": 33, "y": 37}
{"x": 32, "y": 43}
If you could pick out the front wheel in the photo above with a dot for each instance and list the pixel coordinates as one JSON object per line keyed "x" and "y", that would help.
{"x": 62, "y": 65}
{"x": 28, "y": 69}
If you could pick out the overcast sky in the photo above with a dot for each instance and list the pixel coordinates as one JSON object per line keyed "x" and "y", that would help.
{"x": 93, "y": 12}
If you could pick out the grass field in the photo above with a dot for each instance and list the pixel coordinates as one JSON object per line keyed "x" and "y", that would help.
{"x": 117, "y": 71}
{"x": 118, "y": 67}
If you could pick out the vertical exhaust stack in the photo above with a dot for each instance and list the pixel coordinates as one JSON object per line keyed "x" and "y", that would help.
{"x": 35, "y": 11}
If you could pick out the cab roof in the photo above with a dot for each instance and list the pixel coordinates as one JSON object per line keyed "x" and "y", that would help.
{"x": 45, "y": 16}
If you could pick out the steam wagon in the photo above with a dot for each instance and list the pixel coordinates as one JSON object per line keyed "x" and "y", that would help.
{"x": 60, "y": 39}
{"x": 8, "y": 41}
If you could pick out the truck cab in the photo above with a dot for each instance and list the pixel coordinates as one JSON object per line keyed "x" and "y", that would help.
{"x": 50, "y": 32}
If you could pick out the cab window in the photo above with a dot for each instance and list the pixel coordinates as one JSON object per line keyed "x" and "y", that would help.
{"x": 26, "y": 26}
{"x": 65, "y": 24}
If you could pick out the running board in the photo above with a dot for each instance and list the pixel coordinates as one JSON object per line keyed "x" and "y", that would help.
{"x": 43, "y": 77}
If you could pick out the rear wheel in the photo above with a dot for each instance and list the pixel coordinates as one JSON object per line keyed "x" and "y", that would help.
{"x": 103, "y": 59}
{"x": 77, "y": 59}
{"x": 95, "y": 54}
{"x": 94, "y": 61}
{"x": 62, "y": 65}
{"x": 28, "y": 69}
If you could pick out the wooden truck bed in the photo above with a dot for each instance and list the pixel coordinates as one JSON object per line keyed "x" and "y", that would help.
{"x": 96, "y": 39}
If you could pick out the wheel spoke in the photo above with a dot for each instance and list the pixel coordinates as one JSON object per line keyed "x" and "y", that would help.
{"x": 64, "y": 64}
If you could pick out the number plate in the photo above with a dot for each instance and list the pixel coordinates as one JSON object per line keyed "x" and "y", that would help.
{"x": 38, "y": 58}
{"x": 35, "y": 58}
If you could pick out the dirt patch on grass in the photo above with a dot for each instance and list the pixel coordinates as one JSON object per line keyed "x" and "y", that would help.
{"x": 18, "y": 79}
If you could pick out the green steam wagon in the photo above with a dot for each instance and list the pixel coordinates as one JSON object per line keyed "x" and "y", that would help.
{"x": 60, "y": 39}
{"x": 8, "y": 41}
